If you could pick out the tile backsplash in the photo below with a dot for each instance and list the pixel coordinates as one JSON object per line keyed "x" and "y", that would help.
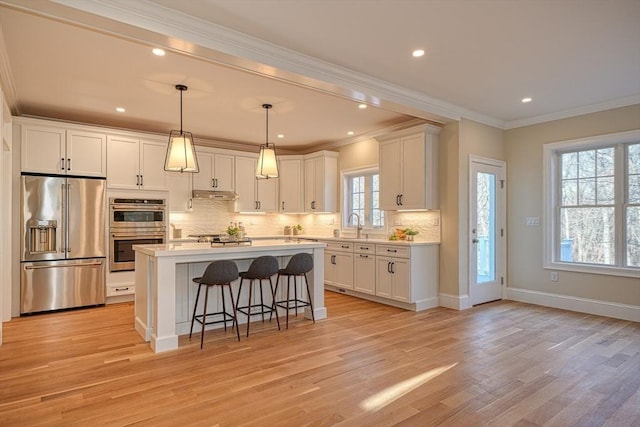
{"x": 211, "y": 217}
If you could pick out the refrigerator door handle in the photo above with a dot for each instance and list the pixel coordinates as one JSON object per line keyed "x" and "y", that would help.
{"x": 40, "y": 267}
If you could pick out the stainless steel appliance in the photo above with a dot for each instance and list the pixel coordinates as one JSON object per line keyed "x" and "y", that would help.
{"x": 134, "y": 222}
{"x": 63, "y": 242}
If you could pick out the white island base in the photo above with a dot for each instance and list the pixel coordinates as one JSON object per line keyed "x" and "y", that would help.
{"x": 165, "y": 293}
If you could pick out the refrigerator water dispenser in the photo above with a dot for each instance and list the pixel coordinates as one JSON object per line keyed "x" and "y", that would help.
{"x": 42, "y": 236}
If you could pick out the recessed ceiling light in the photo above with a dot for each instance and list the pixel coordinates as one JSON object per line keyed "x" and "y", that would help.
{"x": 362, "y": 106}
{"x": 350, "y": 133}
{"x": 280, "y": 135}
{"x": 525, "y": 100}
{"x": 120, "y": 110}
{"x": 417, "y": 53}
{"x": 158, "y": 52}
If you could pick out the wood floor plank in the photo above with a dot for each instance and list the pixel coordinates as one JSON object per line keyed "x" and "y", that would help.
{"x": 499, "y": 364}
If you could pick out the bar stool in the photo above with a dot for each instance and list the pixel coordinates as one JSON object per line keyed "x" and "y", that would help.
{"x": 218, "y": 273}
{"x": 261, "y": 268}
{"x": 298, "y": 266}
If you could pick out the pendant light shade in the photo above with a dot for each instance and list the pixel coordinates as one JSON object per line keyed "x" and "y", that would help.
{"x": 181, "y": 152}
{"x": 267, "y": 166}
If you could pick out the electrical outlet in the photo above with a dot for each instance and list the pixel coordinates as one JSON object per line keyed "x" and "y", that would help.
{"x": 554, "y": 276}
{"x": 436, "y": 221}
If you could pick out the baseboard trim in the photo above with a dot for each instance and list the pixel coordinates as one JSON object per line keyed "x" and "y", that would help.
{"x": 455, "y": 302}
{"x": 582, "y": 305}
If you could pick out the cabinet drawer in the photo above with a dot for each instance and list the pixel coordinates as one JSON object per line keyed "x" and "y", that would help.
{"x": 364, "y": 248}
{"x": 113, "y": 290}
{"x": 395, "y": 251}
{"x": 339, "y": 246}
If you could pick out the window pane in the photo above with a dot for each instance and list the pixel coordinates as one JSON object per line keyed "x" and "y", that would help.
{"x": 570, "y": 165}
{"x": 587, "y": 164}
{"x": 375, "y": 182}
{"x": 633, "y": 236}
{"x": 634, "y": 158}
{"x": 587, "y": 235}
{"x": 634, "y": 188}
{"x": 570, "y": 192}
{"x": 605, "y": 161}
{"x": 486, "y": 246}
{"x": 606, "y": 191}
{"x": 587, "y": 192}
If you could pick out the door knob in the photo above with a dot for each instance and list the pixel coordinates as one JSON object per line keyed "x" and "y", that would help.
{"x": 474, "y": 241}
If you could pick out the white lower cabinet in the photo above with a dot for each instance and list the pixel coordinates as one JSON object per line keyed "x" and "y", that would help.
{"x": 364, "y": 268}
{"x": 406, "y": 274}
{"x": 338, "y": 264}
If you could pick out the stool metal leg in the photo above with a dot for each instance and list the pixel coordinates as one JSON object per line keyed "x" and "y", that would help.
{"x": 288, "y": 298}
{"x": 309, "y": 298}
{"x": 204, "y": 316}
{"x": 235, "y": 313}
{"x": 249, "y": 306}
{"x": 224, "y": 308}
{"x": 195, "y": 306}
{"x": 273, "y": 307}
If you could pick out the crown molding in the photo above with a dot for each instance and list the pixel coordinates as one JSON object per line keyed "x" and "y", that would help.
{"x": 579, "y": 111}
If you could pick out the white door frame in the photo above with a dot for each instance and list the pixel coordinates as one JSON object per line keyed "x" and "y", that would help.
{"x": 501, "y": 244}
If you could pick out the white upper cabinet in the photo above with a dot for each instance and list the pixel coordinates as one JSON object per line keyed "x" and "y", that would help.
{"x": 321, "y": 182}
{"x": 409, "y": 170}
{"x": 135, "y": 164}
{"x": 179, "y": 186}
{"x": 216, "y": 171}
{"x": 254, "y": 195}
{"x": 291, "y": 181}
{"x": 56, "y": 150}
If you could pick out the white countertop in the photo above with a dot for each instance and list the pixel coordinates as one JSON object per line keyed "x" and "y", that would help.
{"x": 195, "y": 248}
{"x": 377, "y": 241}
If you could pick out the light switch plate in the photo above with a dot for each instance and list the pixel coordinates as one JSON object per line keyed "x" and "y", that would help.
{"x": 533, "y": 221}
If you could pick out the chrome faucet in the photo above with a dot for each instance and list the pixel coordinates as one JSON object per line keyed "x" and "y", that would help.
{"x": 359, "y": 229}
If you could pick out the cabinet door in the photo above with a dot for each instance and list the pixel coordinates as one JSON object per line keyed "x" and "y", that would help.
{"x": 123, "y": 162}
{"x": 344, "y": 270}
{"x": 390, "y": 174}
{"x": 364, "y": 273}
{"x": 152, "y": 157}
{"x": 179, "y": 185}
{"x": 291, "y": 186}
{"x": 86, "y": 153}
{"x": 384, "y": 277}
{"x": 43, "y": 150}
{"x": 310, "y": 185}
{"x": 245, "y": 178}
{"x": 223, "y": 172}
{"x": 329, "y": 268}
{"x": 401, "y": 286}
{"x": 203, "y": 180}
{"x": 413, "y": 172}
{"x": 267, "y": 194}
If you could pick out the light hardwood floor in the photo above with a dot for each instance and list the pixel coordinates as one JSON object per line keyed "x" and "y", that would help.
{"x": 498, "y": 364}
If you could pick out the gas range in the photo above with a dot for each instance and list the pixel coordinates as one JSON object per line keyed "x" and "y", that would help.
{"x": 203, "y": 238}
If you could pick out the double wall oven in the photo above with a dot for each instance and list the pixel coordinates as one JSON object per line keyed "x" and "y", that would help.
{"x": 134, "y": 222}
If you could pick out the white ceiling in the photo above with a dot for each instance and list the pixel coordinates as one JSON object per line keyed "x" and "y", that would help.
{"x": 315, "y": 59}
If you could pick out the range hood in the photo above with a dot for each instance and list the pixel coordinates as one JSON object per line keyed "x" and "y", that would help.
{"x": 214, "y": 195}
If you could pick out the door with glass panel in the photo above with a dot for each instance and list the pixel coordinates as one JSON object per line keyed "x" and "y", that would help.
{"x": 487, "y": 234}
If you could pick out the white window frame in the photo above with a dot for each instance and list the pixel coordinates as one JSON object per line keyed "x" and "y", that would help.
{"x": 551, "y": 199}
{"x": 344, "y": 182}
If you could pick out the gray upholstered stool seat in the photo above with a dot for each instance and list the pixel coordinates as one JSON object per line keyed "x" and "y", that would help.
{"x": 261, "y": 268}
{"x": 298, "y": 266}
{"x": 221, "y": 274}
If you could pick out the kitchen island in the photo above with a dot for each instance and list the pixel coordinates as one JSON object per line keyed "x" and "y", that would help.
{"x": 163, "y": 299}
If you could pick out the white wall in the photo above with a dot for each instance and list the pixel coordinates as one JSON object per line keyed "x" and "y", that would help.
{"x": 524, "y": 157}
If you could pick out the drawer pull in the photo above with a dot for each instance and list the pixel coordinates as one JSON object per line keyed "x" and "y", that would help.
{"x": 122, "y": 289}
{"x": 364, "y": 248}
{"x": 364, "y": 256}
{"x": 345, "y": 246}
{"x": 392, "y": 250}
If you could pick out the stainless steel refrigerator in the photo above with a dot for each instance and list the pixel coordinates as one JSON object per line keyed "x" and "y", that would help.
{"x": 63, "y": 242}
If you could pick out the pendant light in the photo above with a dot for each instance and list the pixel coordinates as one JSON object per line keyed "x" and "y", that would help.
{"x": 181, "y": 153}
{"x": 267, "y": 163}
